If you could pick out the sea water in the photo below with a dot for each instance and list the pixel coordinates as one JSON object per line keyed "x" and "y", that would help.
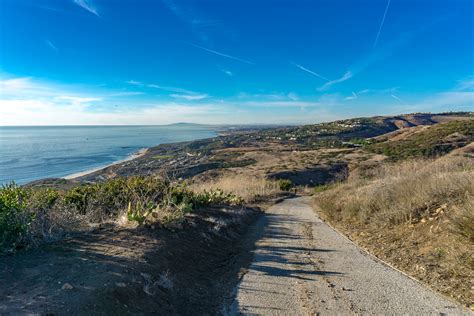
{"x": 32, "y": 153}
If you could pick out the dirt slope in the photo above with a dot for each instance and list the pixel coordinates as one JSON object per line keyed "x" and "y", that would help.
{"x": 303, "y": 267}
{"x": 131, "y": 271}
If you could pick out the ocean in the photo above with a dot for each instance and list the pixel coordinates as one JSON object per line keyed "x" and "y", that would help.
{"x": 32, "y": 153}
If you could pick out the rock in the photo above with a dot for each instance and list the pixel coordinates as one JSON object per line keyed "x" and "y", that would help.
{"x": 120, "y": 284}
{"x": 67, "y": 286}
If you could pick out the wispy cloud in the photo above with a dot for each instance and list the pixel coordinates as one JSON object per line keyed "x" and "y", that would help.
{"x": 88, "y": 6}
{"x": 126, "y": 93}
{"x": 51, "y": 45}
{"x": 293, "y": 96}
{"x": 381, "y": 24}
{"x": 198, "y": 24}
{"x": 348, "y": 75}
{"x": 189, "y": 97}
{"x": 228, "y": 72}
{"x": 171, "y": 89}
{"x": 466, "y": 84}
{"x": 29, "y": 101}
{"x": 220, "y": 54}
{"x": 438, "y": 102}
{"x": 352, "y": 97}
{"x": 287, "y": 104}
{"x": 398, "y": 99}
{"x": 178, "y": 93}
{"x": 377, "y": 55}
{"x": 310, "y": 71}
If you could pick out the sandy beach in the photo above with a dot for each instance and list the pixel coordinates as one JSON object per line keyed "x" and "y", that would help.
{"x": 135, "y": 155}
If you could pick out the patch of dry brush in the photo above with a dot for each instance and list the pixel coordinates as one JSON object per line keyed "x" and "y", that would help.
{"x": 405, "y": 192}
{"x": 245, "y": 186}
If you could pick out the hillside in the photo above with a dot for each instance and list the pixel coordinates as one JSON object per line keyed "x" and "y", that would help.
{"x": 415, "y": 213}
{"x": 426, "y": 141}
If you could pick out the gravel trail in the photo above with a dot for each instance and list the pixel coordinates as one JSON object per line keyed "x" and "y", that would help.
{"x": 302, "y": 266}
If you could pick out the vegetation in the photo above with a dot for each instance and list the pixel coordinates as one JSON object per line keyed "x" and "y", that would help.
{"x": 14, "y": 218}
{"x": 29, "y": 215}
{"x": 416, "y": 214}
{"x": 248, "y": 188}
{"x": 163, "y": 157}
{"x": 434, "y": 141}
{"x": 285, "y": 184}
{"x": 403, "y": 192}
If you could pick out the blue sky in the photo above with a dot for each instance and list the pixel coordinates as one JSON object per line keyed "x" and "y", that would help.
{"x": 163, "y": 61}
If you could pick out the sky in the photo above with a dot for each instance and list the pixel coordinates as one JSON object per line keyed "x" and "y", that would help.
{"x": 134, "y": 62}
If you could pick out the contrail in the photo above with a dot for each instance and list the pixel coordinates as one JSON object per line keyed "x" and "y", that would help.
{"x": 221, "y": 54}
{"x": 310, "y": 71}
{"x": 52, "y": 46}
{"x": 88, "y": 6}
{"x": 381, "y": 24}
{"x": 398, "y": 99}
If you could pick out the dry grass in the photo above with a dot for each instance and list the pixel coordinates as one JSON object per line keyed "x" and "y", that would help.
{"x": 417, "y": 215}
{"x": 245, "y": 186}
{"x": 403, "y": 192}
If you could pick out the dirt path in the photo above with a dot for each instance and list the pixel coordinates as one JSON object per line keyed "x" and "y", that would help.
{"x": 303, "y": 267}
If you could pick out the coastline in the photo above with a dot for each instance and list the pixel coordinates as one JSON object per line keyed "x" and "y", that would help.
{"x": 132, "y": 156}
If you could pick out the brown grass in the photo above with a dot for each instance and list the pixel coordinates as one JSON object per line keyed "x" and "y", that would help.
{"x": 417, "y": 215}
{"x": 248, "y": 187}
{"x": 403, "y": 192}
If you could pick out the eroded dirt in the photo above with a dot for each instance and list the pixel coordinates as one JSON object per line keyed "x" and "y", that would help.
{"x": 132, "y": 271}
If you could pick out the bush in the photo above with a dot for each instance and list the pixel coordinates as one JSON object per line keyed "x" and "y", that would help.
{"x": 14, "y": 217}
{"x": 28, "y": 216}
{"x": 285, "y": 184}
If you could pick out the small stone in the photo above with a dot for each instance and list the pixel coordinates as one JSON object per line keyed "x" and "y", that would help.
{"x": 120, "y": 284}
{"x": 67, "y": 286}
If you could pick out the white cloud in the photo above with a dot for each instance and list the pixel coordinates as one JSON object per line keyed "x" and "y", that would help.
{"x": 288, "y": 104}
{"x": 189, "y": 97}
{"x": 221, "y": 54}
{"x": 466, "y": 84}
{"x": 178, "y": 92}
{"x": 228, "y": 72}
{"x": 348, "y": 75}
{"x": 88, "y": 6}
{"x": 381, "y": 24}
{"x": 293, "y": 96}
{"x": 33, "y": 112}
{"x": 398, "y": 99}
{"x": 51, "y": 45}
{"x": 352, "y": 97}
{"x": 310, "y": 71}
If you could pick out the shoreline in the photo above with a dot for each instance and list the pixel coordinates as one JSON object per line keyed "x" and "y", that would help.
{"x": 135, "y": 155}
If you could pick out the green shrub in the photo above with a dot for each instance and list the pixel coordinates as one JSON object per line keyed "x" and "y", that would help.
{"x": 14, "y": 217}
{"x": 36, "y": 214}
{"x": 285, "y": 184}
{"x": 322, "y": 187}
{"x": 217, "y": 196}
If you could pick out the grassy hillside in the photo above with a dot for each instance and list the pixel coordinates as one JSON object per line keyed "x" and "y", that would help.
{"x": 433, "y": 141}
{"x": 416, "y": 214}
